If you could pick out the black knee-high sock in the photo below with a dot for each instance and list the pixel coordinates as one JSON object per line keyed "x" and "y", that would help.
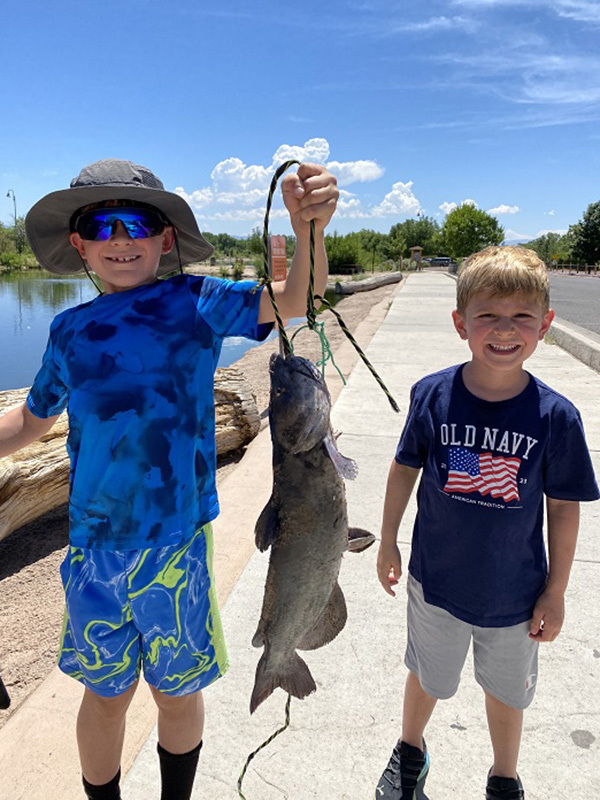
{"x": 177, "y": 772}
{"x": 107, "y": 791}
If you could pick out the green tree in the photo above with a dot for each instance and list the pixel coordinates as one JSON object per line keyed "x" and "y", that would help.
{"x": 290, "y": 246}
{"x": 371, "y": 245}
{"x": 586, "y": 236}
{"x": 7, "y": 241}
{"x": 394, "y": 245}
{"x": 552, "y": 246}
{"x": 227, "y": 244}
{"x": 422, "y": 232}
{"x": 255, "y": 242}
{"x": 468, "y": 229}
{"x": 343, "y": 251}
{"x": 224, "y": 243}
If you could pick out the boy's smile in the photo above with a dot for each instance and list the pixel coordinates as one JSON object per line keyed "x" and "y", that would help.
{"x": 502, "y": 333}
{"x": 121, "y": 262}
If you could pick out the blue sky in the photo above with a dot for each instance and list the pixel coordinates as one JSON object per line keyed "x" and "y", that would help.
{"x": 415, "y": 106}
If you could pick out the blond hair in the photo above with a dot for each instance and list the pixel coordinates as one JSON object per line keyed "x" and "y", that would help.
{"x": 501, "y": 272}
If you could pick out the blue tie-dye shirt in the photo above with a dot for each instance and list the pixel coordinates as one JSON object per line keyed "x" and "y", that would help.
{"x": 135, "y": 370}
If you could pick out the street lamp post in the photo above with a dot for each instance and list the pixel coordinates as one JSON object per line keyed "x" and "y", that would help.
{"x": 11, "y": 193}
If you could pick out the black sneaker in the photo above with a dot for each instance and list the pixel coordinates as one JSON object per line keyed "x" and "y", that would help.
{"x": 504, "y": 788}
{"x": 404, "y": 776}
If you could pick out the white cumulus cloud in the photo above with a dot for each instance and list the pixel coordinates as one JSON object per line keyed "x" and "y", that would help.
{"x": 504, "y": 209}
{"x": 233, "y": 175}
{"x": 314, "y": 150}
{"x": 197, "y": 199}
{"x": 446, "y": 207}
{"x": 399, "y": 202}
{"x": 238, "y": 191}
{"x": 348, "y": 172}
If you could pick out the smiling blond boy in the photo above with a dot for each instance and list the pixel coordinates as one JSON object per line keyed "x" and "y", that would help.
{"x": 493, "y": 443}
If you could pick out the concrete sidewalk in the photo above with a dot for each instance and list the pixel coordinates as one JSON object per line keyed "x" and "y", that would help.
{"x": 340, "y": 738}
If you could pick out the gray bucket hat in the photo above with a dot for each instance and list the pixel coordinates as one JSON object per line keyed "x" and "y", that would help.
{"x": 47, "y": 223}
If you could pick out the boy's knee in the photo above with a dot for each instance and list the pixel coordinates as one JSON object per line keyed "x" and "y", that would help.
{"x": 110, "y": 707}
{"x": 175, "y": 704}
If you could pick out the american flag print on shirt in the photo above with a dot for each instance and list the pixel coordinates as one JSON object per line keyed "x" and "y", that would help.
{"x": 483, "y": 473}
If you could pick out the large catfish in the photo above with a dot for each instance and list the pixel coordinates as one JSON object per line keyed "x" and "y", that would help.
{"x": 305, "y": 525}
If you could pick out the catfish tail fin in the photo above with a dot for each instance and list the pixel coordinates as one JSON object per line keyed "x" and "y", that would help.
{"x": 292, "y": 675}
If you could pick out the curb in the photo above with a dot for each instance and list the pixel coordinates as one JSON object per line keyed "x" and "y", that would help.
{"x": 584, "y": 345}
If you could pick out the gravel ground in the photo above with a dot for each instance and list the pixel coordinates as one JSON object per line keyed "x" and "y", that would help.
{"x": 31, "y": 605}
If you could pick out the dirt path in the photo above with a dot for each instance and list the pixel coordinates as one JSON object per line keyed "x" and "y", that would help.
{"x": 31, "y": 601}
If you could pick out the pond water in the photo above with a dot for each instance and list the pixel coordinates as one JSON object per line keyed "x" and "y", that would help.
{"x": 28, "y": 304}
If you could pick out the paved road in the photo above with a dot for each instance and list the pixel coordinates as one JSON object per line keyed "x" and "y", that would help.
{"x": 576, "y": 298}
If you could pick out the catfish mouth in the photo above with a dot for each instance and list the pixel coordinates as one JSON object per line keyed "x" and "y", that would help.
{"x": 300, "y": 403}
{"x": 280, "y": 368}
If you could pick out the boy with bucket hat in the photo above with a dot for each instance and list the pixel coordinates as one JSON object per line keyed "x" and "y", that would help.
{"x": 134, "y": 367}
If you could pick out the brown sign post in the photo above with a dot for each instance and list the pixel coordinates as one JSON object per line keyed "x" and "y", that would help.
{"x": 278, "y": 258}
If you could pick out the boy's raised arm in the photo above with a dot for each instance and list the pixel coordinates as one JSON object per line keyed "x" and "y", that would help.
{"x": 311, "y": 194}
{"x": 19, "y": 427}
{"x": 549, "y": 611}
{"x": 400, "y": 483}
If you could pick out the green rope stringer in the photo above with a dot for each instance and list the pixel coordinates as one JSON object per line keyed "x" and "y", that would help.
{"x": 356, "y": 346}
{"x": 264, "y": 744}
{"x": 326, "y": 353}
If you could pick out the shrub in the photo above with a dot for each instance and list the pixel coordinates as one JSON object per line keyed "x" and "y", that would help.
{"x": 237, "y": 271}
{"x": 13, "y": 261}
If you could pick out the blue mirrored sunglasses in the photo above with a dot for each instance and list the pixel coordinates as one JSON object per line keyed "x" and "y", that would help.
{"x": 98, "y": 225}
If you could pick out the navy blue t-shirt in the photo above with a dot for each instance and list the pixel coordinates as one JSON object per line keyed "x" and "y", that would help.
{"x": 478, "y": 547}
{"x": 135, "y": 370}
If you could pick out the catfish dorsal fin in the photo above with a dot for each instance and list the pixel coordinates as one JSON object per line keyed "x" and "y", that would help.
{"x": 346, "y": 467}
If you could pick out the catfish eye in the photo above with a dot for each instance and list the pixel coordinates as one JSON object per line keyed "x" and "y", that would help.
{"x": 279, "y": 390}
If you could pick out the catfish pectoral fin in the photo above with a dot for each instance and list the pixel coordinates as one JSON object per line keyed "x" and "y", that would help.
{"x": 293, "y": 676}
{"x": 346, "y": 467}
{"x": 266, "y": 529}
{"x": 259, "y": 640}
{"x": 329, "y": 623}
{"x": 359, "y": 539}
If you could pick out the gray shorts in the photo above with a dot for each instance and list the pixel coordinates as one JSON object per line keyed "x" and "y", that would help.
{"x": 506, "y": 659}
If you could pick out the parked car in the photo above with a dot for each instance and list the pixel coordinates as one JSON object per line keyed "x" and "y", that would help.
{"x": 441, "y": 261}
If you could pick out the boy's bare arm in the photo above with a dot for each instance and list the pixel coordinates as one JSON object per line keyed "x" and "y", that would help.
{"x": 311, "y": 194}
{"x": 400, "y": 483}
{"x": 20, "y": 427}
{"x": 549, "y": 611}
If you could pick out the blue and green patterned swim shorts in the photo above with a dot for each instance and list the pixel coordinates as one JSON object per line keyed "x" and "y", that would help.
{"x": 155, "y": 607}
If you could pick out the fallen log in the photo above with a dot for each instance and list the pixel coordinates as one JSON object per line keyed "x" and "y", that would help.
{"x": 36, "y": 479}
{"x": 366, "y": 284}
